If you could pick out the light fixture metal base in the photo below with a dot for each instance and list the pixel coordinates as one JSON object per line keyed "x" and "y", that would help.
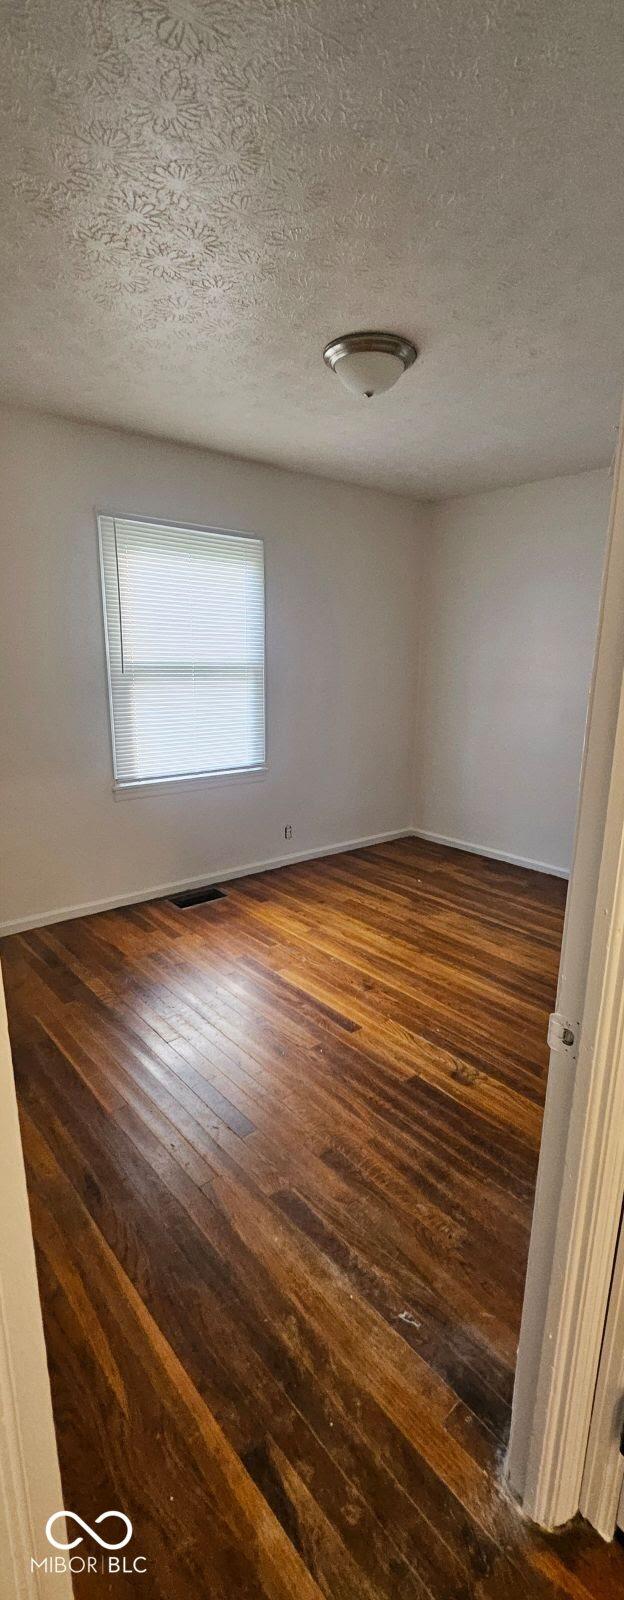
{"x": 391, "y": 344}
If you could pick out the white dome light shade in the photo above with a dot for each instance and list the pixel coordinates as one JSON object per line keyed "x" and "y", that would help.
{"x": 369, "y": 363}
{"x": 368, "y": 372}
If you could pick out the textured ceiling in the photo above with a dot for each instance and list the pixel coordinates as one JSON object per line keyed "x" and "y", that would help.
{"x": 195, "y": 196}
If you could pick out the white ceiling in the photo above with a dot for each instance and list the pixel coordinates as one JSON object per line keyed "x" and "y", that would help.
{"x": 197, "y": 194}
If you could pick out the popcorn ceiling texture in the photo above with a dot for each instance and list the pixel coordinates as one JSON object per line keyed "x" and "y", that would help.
{"x": 196, "y": 196}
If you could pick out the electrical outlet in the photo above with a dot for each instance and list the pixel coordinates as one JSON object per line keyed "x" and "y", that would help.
{"x": 288, "y": 831}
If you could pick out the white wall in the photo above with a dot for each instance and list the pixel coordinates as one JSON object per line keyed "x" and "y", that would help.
{"x": 510, "y": 602}
{"x": 497, "y": 594}
{"x": 342, "y": 570}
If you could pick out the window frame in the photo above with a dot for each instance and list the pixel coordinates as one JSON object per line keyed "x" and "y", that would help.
{"x": 124, "y": 790}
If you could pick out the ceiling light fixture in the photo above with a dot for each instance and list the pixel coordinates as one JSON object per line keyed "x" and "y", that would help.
{"x": 368, "y": 363}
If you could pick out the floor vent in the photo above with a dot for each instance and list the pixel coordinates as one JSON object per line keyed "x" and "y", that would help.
{"x": 196, "y": 897}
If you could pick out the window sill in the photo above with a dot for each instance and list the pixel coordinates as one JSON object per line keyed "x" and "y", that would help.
{"x": 205, "y": 780}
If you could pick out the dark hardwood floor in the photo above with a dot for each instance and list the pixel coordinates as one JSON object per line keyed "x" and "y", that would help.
{"x": 281, "y": 1152}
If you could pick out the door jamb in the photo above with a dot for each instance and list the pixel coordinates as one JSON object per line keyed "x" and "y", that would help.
{"x": 554, "y": 1392}
{"x": 30, "y": 1484}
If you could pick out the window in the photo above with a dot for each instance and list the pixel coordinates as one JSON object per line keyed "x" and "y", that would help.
{"x": 184, "y": 616}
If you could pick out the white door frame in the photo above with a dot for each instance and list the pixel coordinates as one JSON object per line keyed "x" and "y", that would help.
{"x": 30, "y": 1484}
{"x": 581, "y": 1170}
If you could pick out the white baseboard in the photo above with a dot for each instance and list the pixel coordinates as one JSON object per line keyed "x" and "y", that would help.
{"x": 490, "y": 853}
{"x": 159, "y": 891}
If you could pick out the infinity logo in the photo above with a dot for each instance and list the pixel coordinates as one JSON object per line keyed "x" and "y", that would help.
{"x": 102, "y": 1518}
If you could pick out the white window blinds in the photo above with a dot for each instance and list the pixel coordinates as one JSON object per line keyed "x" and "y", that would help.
{"x": 184, "y": 615}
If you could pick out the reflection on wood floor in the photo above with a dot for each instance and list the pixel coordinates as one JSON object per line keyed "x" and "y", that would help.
{"x": 281, "y": 1153}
